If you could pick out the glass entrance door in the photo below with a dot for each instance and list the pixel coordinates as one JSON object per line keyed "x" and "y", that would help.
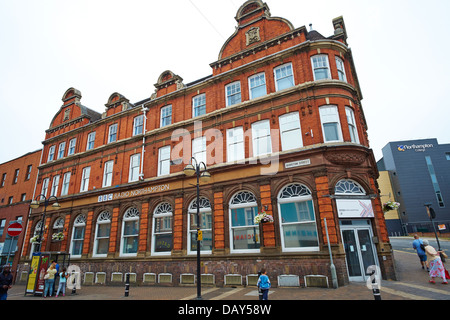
{"x": 359, "y": 251}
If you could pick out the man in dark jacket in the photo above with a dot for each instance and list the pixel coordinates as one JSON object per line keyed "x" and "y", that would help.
{"x": 6, "y": 279}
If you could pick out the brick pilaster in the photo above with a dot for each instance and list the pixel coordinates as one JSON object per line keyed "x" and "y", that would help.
{"x": 268, "y": 229}
{"x": 326, "y": 210}
{"x": 143, "y": 228}
{"x": 178, "y": 225}
{"x": 88, "y": 232}
{"x": 219, "y": 221}
{"x": 114, "y": 231}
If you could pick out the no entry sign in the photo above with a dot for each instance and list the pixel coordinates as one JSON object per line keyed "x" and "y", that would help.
{"x": 14, "y": 229}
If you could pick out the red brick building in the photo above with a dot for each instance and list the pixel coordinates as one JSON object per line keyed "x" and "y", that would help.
{"x": 280, "y": 125}
{"x": 17, "y": 182}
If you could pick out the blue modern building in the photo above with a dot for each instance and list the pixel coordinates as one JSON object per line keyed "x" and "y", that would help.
{"x": 420, "y": 174}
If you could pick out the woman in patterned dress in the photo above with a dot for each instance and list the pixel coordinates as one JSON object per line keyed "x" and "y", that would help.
{"x": 436, "y": 266}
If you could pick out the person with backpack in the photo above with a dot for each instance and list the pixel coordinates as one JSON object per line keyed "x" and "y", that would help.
{"x": 263, "y": 284}
{"x": 420, "y": 249}
{"x": 62, "y": 282}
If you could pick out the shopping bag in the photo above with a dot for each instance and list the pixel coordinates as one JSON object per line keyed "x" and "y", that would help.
{"x": 447, "y": 275}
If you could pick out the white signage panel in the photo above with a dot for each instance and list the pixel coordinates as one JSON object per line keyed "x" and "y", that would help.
{"x": 354, "y": 208}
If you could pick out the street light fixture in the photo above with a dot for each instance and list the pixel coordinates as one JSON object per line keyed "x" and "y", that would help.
{"x": 36, "y": 203}
{"x": 204, "y": 176}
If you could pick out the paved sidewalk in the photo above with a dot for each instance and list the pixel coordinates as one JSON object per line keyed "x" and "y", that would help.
{"x": 411, "y": 285}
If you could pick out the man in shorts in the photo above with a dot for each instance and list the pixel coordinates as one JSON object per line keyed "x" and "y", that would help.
{"x": 418, "y": 246}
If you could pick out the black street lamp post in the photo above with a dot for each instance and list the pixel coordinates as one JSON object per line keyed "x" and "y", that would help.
{"x": 36, "y": 204}
{"x": 202, "y": 175}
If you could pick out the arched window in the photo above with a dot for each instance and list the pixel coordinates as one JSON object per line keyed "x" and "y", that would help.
{"x": 244, "y": 233}
{"x": 162, "y": 229}
{"x": 348, "y": 187}
{"x": 35, "y": 247}
{"x": 102, "y": 232}
{"x": 205, "y": 226}
{"x": 298, "y": 226}
{"x": 58, "y": 227}
{"x": 130, "y": 233}
{"x": 79, "y": 226}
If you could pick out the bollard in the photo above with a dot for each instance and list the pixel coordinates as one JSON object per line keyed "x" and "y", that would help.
{"x": 127, "y": 285}
{"x": 375, "y": 287}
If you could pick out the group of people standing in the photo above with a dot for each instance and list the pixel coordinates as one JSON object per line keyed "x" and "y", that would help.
{"x": 51, "y": 275}
{"x": 430, "y": 258}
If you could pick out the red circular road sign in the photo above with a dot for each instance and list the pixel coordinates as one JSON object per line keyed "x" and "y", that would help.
{"x": 14, "y": 229}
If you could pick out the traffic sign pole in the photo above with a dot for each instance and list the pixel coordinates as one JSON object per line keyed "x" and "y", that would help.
{"x": 13, "y": 230}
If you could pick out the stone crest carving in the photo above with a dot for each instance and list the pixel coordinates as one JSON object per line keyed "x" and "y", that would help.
{"x": 252, "y": 36}
{"x": 346, "y": 158}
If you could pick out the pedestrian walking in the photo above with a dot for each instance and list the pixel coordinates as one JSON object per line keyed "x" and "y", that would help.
{"x": 418, "y": 246}
{"x": 62, "y": 282}
{"x": 5, "y": 282}
{"x": 436, "y": 266}
{"x": 263, "y": 284}
{"x": 56, "y": 275}
{"x": 49, "y": 280}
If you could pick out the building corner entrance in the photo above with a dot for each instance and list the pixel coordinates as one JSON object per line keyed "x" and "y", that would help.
{"x": 360, "y": 251}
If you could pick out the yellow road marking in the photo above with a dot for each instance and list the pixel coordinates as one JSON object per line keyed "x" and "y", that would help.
{"x": 402, "y": 294}
{"x": 203, "y": 292}
{"x": 226, "y": 294}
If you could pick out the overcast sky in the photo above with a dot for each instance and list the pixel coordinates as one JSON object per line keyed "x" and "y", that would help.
{"x": 400, "y": 48}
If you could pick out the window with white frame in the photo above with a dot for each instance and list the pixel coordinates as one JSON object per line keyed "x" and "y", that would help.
{"x": 108, "y": 173}
{"x": 66, "y": 183}
{"x": 16, "y": 176}
{"x": 199, "y": 149}
{"x": 135, "y": 160}
{"x": 321, "y": 67}
{"x": 244, "y": 233}
{"x": 78, "y": 230}
{"x": 51, "y": 153}
{"x": 233, "y": 93}
{"x": 166, "y": 116}
{"x": 61, "y": 149}
{"x": 257, "y": 85}
{"x": 72, "y": 145}
{"x": 262, "y": 144}
{"x": 205, "y": 226}
{"x": 164, "y": 161}
{"x": 352, "y": 124}
{"x": 112, "y": 133}
{"x": 298, "y": 227}
{"x": 284, "y": 77}
{"x": 331, "y": 125}
{"x": 199, "y": 105}
{"x": 291, "y": 134}
{"x": 130, "y": 233}
{"x": 102, "y": 233}
{"x": 341, "y": 69}
{"x": 85, "y": 179}
{"x": 138, "y": 125}
{"x": 28, "y": 174}
{"x": 235, "y": 144}
{"x": 44, "y": 189}
{"x": 90, "y": 141}
{"x": 162, "y": 229}
{"x": 55, "y": 185}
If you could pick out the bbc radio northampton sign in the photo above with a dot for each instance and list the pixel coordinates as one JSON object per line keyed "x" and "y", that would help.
{"x": 415, "y": 147}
